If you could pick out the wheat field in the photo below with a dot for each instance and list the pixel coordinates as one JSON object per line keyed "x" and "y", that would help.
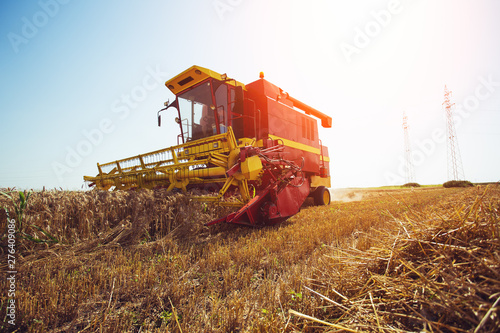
{"x": 142, "y": 261}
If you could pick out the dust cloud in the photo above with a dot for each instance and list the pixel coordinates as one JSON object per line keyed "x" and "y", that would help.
{"x": 346, "y": 195}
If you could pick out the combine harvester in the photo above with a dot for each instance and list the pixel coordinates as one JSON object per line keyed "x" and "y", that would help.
{"x": 240, "y": 138}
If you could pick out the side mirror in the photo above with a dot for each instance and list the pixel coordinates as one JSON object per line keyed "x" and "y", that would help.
{"x": 173, "y": 104}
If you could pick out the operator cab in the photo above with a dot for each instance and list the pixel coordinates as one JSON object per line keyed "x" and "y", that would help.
{"x": 207, "y": 104}
{"x": 203, "y": 110}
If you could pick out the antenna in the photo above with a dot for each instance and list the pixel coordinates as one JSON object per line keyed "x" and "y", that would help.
{"x": 455, "y": 168}
{"x": 410, "y": 173}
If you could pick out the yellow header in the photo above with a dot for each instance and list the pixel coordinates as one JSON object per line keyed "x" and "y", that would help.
{"x": 194, "y": 75}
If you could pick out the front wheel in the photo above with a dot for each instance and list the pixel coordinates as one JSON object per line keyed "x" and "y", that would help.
{"x": 321, "y": 196}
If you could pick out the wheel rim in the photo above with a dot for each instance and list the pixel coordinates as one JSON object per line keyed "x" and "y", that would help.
{"x": 326, "y": 197}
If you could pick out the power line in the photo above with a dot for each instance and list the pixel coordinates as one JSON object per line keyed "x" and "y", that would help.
{"x": 455, "y": 168}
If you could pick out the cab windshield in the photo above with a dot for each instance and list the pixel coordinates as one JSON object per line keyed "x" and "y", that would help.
{"x": 201, "y": 115}
{"x": 197, "y": 118}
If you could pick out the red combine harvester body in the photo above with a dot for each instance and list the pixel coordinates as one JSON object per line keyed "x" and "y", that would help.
{"x": 248, "y": 138}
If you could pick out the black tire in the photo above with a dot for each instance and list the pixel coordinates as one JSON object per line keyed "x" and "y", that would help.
{"x": 322, "y": 196}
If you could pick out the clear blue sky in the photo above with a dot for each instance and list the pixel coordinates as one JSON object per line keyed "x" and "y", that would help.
{"x": 72, "y": 68}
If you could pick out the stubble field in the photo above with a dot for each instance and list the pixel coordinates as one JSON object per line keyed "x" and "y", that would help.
{"x": 373, "y": 261}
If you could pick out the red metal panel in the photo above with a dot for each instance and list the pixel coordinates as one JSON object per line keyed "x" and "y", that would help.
{"x": 291, "y": 198}
{"x": 326, "y": 164}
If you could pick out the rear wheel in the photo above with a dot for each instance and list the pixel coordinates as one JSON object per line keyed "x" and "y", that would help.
{"x": 321, "y": 196}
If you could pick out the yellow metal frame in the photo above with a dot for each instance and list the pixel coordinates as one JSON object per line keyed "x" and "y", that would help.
{"x": 317, "y": 181}
{"x": 195, "y": 75}
{"x": 179, "y": 168}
